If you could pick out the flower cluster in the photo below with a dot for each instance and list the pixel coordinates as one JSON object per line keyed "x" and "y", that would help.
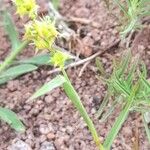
{"x": 41, "y": 32}
{"x": 59, "y": 59}
{"x": 26, "y": 7}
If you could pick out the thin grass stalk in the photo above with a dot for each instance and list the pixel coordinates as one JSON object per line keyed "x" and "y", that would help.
{"x": 73, "y": 96}
{"x": 120, "y": 120}
{"x": 146, "y": 128}
{"x": 8, "y": 61}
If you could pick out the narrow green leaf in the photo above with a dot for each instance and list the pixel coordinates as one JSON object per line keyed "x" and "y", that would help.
{"x": 111, "y": 109}
{"x": 120, "y": 120}
{"x": 37, "y": 60}
{"x": 103, "y": 105}
{"x": 146, "y": 128}
{"x": 11, "y": 118}
{"x": 74, "y": 97}
{"x": 124, "y": 64}
{"x": 100, "y": 67}
{"x": 122, "y": 7}
{"x": 56, "y": 3}
{"x": 54, "y": 83}
{"x": 17, "y": 70}
{"x": 131, "y": 73}
{"x": 11, "y": 30}
{"x": 4, "y": 80}
{"x": 10, "y": 58}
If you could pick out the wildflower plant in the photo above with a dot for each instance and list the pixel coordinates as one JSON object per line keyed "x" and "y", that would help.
{"x": 42, "y": 33}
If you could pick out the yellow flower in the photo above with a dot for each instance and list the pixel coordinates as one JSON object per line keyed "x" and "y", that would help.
{"x": 26, "y": 7}
{"x": 42, "y": 33}
{"x": 59, "y": 58}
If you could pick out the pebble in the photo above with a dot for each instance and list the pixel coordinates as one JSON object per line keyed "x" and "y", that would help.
{"x": 51, "y": 136}
{"x": 47, "y": 146}
{"x": 19, "y": 145}
{"x": 44, "y": 129}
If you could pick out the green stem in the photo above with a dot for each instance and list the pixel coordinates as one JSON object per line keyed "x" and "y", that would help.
{"x": 146, "y": 128}
{"x": 120, "y": 120}
{"x": 73, "y": 96}
{"x": 12, "y": 56}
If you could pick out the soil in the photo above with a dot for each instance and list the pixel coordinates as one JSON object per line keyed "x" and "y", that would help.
{"x": 52, "y": 122}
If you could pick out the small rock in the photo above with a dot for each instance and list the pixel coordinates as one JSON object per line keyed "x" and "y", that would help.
{"x": 49, "y": 99}
{"x": 19, "y": 145}
{"x": 44, "y": 129}
{"x": 47, "y": 146}
{"x": 12, "y": 85}
{"x": 51, "y": 136}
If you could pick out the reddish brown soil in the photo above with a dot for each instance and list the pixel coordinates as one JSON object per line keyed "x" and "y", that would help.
{"x": 52, "y": 120}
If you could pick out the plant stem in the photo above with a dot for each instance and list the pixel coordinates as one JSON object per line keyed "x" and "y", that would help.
{"x": 120, "y": 120}
{"x": 12, "y": 56}
{"x": 73, "y": 96}
{"x": 146, "y": 128}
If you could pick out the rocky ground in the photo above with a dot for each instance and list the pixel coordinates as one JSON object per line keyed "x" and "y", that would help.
{"x": 52, "y": 123}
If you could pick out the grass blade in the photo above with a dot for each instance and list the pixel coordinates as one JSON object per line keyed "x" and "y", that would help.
{"x": 8, "y": 61}
{"x": 74, "y": 97}
{"x": 11, "y": 30}
{"x": 18, "y": 70}
{"x": 37, "y": 60}
{"x": 124, "y": 64}
{"x": 120, "y": 120}
{"x": 103, "y": 105}
{"x": 11, "y": 118}
{"x": 100, "y": 67}
{"x": 56, "y": 3}
{"x": 54, "y": 83}
{"x": 122, "y": 8}
{"x": 146, "y": 128}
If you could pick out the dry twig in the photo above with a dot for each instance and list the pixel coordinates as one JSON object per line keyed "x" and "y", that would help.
{"x": 80, "y": 62}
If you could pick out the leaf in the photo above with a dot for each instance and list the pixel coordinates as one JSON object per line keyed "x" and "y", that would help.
{"x": 104, "y": 103}
{"x": 146, "y": 127}
{"x": 56, "y": 3}
{"x": 122, "y": 7}
{"x": 4, "y": 80}
{"x": 100, "y": 67}
{"x": 131, "y": 74}
{"x": 124, "y": 64}
{"x": 17, "y": 70}
{"x": 120, "y": 120}
{"x": 74, "y": 97}
{"x": 11, "y": 118}
{"x": 54, "y": 83}
{"x": 37, "y": 60}
{"x": 11, "y": 30}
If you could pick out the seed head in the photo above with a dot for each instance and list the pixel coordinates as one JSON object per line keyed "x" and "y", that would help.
{"x": 26, "y": 7}
{"x": 41, "y": 32}
{"x": 59, "y": 58}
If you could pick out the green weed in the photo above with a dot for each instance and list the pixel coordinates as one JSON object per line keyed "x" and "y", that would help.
{"x": 129, "y": 87}
{"x": 134, "y": 11}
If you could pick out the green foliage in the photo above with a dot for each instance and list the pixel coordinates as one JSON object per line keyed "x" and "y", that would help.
{"x": 11, "y": 30}
{"x": 42, "y": 59}
{"x": 56, "y": 3}
{"x": 128, "y": 85}
{"x": 73, "y": 96}
{"x": 11, "y": 118}
{"x": 16, "y": 71}
{"x": 54, "y": 83}
{"x": 133, "y": 11}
